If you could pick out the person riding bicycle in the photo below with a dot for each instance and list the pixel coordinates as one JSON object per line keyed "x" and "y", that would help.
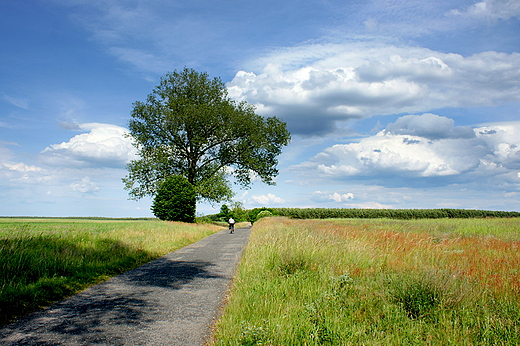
{"x": 231, "y": 223}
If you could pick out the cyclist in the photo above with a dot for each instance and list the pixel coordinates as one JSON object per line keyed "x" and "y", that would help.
{"x": 231, "y": 223}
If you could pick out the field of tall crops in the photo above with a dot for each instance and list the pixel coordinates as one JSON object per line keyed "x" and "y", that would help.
{"x": 44, "y": 260}
{"x": 400, "y": 214}
{"x": 377, "y": 282}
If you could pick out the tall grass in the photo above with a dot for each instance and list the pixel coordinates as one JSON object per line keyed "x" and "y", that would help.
{"x": 44, "y": 260}
{"x": 376, "y": 282}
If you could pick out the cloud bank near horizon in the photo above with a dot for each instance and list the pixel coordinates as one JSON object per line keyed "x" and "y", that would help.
{"x": 424, "y": 150}
{"x": 80, "y": 165}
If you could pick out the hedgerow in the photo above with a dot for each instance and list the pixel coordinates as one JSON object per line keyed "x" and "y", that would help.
{"x": 402, "y": 214}
{"x": 353, "y": 213}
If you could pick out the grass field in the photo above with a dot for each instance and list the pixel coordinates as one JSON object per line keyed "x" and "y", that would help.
{"x": 45, "y": 260}
{"x": 377, "y": 282}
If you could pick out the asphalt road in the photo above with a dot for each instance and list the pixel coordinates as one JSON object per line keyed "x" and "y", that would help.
{"x": 173, "y": 300}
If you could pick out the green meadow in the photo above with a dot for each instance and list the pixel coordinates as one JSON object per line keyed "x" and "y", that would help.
{"x": 376, "y": 282}
{"x": 45, "y": 260}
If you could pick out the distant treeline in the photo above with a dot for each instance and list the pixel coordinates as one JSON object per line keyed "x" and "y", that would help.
{"x": 351, "y": 213}
{"x": 403, "y": 214}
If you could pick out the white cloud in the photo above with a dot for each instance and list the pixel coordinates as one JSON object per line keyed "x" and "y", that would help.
{"x": 312, "y": 87}
{"x": 395, "y": 157}
{"x": 22, "y": 168}
{"x": 5, "y": 153}
{"x": 12, "y": 173}
{"x": 147, "y": 34}
{"x": 503, "y": 141}
{"x": 385, "y": 154}
{"x": 341, "y": 197}
{"x": 103, "y": 146}
{"x": 338, "y": 197}
{"x": 429, "y": 126}
{"x": 15, "y": 174}
{"x": 84, "y": 186}
{"x": 492, "y": 10}
{"x": 141, "y": 59}
{"x": 267, "y": 200}
{"x": 17, "y": 101}
{"x": 371, "y": 24}
{"x": 19, "y": 173}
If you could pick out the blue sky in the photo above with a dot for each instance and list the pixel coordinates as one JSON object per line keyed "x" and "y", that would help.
{"x": 391, "y": 103}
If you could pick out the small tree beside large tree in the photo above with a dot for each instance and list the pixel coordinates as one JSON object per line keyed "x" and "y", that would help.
{"x": 189, "y": 127}
{"x": 175, "y": 200}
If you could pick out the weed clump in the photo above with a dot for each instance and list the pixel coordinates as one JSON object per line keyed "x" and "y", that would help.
{"x": 252, "y": 335}
{"x": 421, "y": 295}
{"x": 288, "y": 263}
{"x": 418, "y": 297}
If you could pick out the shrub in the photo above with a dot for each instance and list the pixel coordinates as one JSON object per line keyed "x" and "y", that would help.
{"x": 254, "y": 214}
{"x": 264, "y": 213}
{"x": 175, "y": 200}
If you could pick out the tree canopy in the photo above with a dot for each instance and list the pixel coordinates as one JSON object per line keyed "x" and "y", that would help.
{"x": 175, "y": 200}
{"x": 189, "y": 126}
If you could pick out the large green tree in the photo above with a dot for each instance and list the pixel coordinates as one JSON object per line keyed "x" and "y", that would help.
{"x": 189, "y": 126}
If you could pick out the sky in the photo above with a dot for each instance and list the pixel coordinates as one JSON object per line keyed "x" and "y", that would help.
{"x": 390, "y": 103}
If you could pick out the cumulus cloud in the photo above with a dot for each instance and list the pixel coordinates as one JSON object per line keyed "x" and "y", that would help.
{"x": 429, "y": 126}
{"x": 103, "y": 146}
{"x": 313, "y": 87}
{"x": 15, "y": 174}
{"x": 269, "y": 199}
{"x": 84, "y": 186}
{"x": 319, "y": 196}
{"x": 503, "y": 141}
{"x": 20, "y": 173}
{"x": 408, "y": 149}
{"x": 384, "y": 154}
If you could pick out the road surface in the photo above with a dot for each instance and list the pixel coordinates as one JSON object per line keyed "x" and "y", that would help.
{"x": 173, "y": 300}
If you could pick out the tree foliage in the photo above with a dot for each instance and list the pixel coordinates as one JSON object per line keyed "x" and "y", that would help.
{"x": 257, "y": 213}
{"x": 224, "y": 213}
{"x": 175, "y": 200}
{"x": 236, "y": 211}
{"x": 189, "y": 126}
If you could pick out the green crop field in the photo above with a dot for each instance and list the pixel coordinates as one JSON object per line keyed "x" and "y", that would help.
{"x": 376, "y": 282}
{"x": 44, "y": 260}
